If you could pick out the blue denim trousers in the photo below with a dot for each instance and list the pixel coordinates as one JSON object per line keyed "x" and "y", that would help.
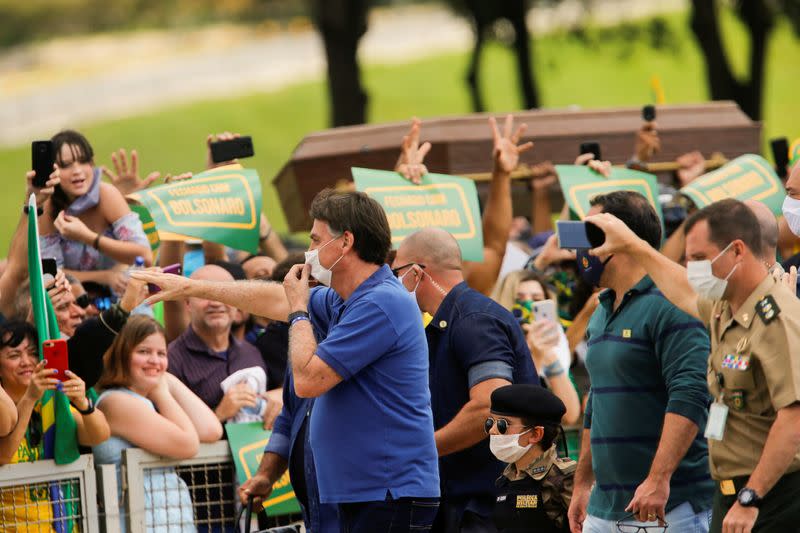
{"x": 682, "y": 519}
{"x": 392, "y": 516}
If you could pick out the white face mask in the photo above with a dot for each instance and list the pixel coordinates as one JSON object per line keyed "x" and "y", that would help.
{"x": 704, "y": 282}
{"x": 507, "y": 448}
{"x": 403, "y": 276}
{"x": 319, "y": 272}
{"x": 791, "y": 212}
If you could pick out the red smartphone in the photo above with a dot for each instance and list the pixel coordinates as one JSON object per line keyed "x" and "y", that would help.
{"x": 177, "y": 268}
{"x": 55, "y": 351}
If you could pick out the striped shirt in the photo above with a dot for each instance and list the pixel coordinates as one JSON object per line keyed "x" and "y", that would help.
{"x": 645, "y": 359}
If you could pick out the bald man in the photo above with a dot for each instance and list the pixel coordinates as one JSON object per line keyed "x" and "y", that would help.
{"x": 768, "y": 225}
{"x": 475, "y": 346}
{"x": 206, "y": 353}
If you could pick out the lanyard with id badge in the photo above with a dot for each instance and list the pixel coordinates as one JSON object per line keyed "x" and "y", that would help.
{"x": 717, "y": 414}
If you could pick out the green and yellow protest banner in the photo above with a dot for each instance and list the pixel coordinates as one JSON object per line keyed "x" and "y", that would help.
{"x": 746, "y": 177}
{"x": 221, "y": 205}
{"x": 580, "y": 184}
{"x": 441, "y": 201}
{"x": 247, "y": 442}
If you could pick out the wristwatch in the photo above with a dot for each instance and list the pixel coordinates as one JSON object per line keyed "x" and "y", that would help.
{"x": 747, "y": 497}
{"x": 89, "y": 410}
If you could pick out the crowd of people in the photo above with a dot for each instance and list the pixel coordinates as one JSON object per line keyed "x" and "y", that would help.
{"x": 408, "y": 389}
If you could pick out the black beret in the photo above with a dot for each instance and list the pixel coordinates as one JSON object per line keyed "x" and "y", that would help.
{"x": 530, "y": 402}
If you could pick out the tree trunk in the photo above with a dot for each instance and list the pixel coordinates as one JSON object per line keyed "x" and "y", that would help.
{"x": 341, "y": 24}
{"x": 721, "y": 81}
{"x": 522, "y": 48}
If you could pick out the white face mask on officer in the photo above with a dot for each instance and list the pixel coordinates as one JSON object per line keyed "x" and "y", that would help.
{"x": 507, "y": 448}
{"x": 791, "y": 212}
{"x": 319, "y": 272}
{"x": 703, "y": 280}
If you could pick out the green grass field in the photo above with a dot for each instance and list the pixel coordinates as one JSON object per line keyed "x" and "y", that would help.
{"x": 608, "y": 72}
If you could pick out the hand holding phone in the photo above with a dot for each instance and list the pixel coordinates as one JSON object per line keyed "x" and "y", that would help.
{"x": 43, "y": 157}
{"x": 176, "y": 269}
{"x": 57, "y": 356}
{"x": 591, "y": 147}
{"x": 236, "y": 148}
{"x": 544, "y": 310}
{"x": 578, "y": 235}
{"x": 649, "y": 113}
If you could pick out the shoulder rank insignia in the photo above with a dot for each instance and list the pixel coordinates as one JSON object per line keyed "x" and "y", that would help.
{"x": 767, "y": 309}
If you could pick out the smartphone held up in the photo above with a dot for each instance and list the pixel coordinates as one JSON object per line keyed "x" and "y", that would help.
{"x": 43, "y": 157}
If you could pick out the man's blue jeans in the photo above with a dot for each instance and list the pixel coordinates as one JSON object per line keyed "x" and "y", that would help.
{"x": 390, "y": 516}
{"x": 681, "y": 519}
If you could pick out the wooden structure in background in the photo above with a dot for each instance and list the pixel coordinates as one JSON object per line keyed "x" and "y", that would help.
{"x": 462, "y": 145}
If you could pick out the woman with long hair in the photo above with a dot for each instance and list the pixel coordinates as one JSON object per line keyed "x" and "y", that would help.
{"x": 87, "y": 225}
{"x": 149, "y": 408}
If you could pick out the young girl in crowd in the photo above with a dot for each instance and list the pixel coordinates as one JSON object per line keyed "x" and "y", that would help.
{"x": 150, "y": 409}
{"x": 87, "y": 224}
{"x": 26, "y": 379}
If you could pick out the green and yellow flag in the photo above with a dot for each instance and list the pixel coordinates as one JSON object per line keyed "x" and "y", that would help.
{"x": 60, "y": 438}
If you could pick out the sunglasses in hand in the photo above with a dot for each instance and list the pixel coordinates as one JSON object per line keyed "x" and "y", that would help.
{"x": 630, "y": 524}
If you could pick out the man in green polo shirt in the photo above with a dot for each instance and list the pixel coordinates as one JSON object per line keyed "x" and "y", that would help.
{"x": 647, "y": 365}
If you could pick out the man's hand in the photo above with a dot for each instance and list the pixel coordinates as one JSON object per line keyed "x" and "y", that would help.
{"x": 790, "y": 279}
{"x": 257, "y": 488}
{"x": 274, "y": 405}
{"x": 410, "y": 163}
{"x": 126, "y": 177}
{"x": 647, "y": 142}
{"x": 577, "y": 509}
{"x": 173, "y": 287}
{"x": 619, "y": 238}
{"x": 691, "y": 166}
{"x": 135, "y": 293}
{"x": 506, "y": 150}
{"x": 43, "y": 194}
{"x": 296, "y": 286}
{"x": 73, "y": 228}
{"x": 226, "y": 136}
{"x": 551, "y": 254}
{"x": 650, "y": 499}
{"x": 238, "y": 396}
{"x": 58, "y": 289}
{"x": 543, "y": 176}
{"x": 739, "y": 519}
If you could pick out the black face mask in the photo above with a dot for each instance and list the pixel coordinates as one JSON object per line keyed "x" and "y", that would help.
{"x": 590, "y": 267}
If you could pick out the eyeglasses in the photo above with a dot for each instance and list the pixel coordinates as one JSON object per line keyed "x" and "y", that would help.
{"x": 502, "y": 425}
{"x": 636, "y": 528}
{"x": 396, "y": 271}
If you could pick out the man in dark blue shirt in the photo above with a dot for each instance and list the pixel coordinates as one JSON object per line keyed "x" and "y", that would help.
{"x": 475, "y": 347}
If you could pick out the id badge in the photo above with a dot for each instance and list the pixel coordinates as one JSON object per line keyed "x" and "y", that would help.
{"x": 717, "y": 415}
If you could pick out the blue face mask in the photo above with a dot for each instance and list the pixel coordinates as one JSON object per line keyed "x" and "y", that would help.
{"x": 590, "y": 267}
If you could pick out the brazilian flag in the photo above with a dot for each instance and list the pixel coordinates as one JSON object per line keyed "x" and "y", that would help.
{"x": 60, "y": 438}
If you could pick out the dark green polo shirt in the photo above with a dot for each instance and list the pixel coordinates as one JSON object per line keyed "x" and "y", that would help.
{"x": 645, "y": 359}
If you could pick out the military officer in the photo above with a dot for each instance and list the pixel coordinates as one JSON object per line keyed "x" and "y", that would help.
{"x": 753, "y": 323}
{"x": 534, "y": 491}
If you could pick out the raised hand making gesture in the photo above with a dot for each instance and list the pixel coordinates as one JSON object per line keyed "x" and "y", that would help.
{"x": 126, "y": 176}
{"x": 410, "y": 163}
{"x": 506, "y": 146}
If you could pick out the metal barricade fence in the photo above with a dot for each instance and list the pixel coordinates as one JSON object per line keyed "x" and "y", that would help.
{"x": 42, "y": 495}
{"x": 151, "y": 493}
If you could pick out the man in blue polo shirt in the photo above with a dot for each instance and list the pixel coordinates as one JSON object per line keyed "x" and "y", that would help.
{"x": 357, "y": 345}
{"x": 475, "y": 347}
{"x": 642, "y": 459}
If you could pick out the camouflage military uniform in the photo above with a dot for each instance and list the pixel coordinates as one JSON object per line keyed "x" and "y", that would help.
{"x": 536, "y": 498}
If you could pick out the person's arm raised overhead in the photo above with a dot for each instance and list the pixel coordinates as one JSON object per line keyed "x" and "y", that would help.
{"x": 17, "y": 268}
{"x": 126, "y": 176}
{"x": 497, "y": 215}
{"x": 669, "y": 276}
{"x": 262, "y": 298}
{"x": 410, "y": 163}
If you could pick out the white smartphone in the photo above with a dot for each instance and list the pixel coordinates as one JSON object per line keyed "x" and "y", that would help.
{"x": 544, "y": 310}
